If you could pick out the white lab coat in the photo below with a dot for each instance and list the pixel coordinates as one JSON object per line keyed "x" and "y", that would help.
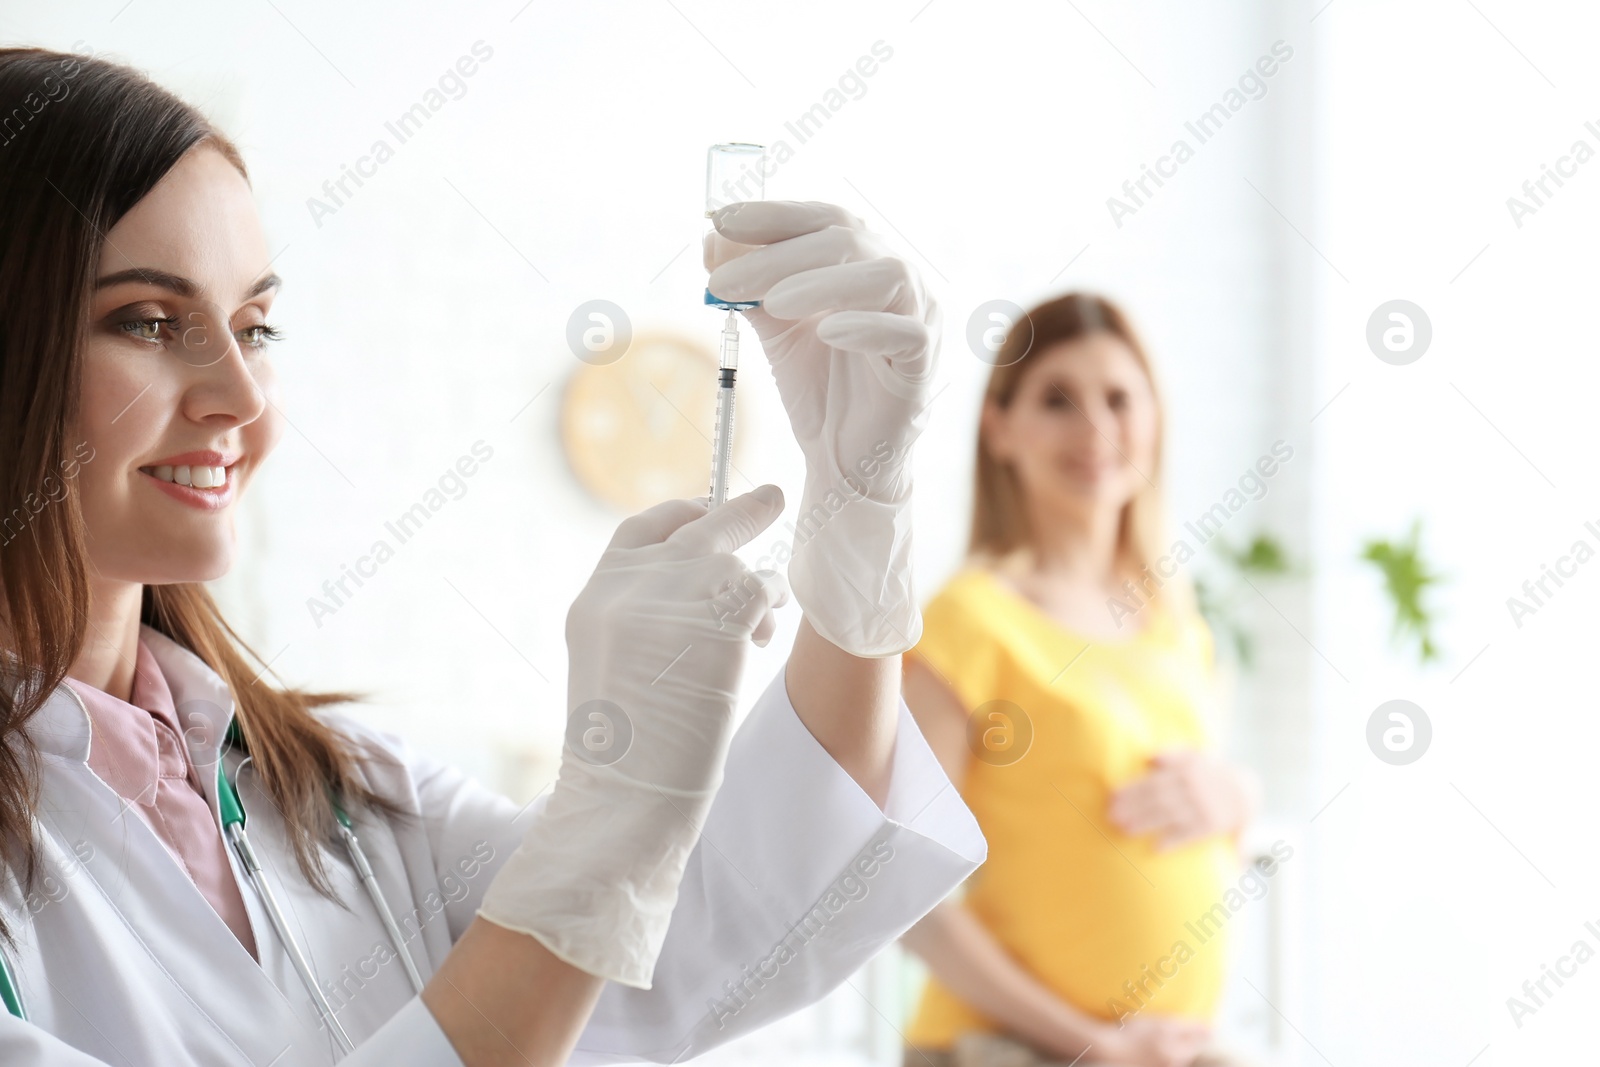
{"x": 798, "y": 879}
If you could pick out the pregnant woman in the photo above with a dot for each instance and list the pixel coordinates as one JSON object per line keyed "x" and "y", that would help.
{"x": 1074, "y": 728}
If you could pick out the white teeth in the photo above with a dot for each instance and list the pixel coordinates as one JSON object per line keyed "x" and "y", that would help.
{"x": 196, "y": 477}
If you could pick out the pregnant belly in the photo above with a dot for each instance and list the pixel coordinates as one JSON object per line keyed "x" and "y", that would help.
{"x": 1117, "y": 928}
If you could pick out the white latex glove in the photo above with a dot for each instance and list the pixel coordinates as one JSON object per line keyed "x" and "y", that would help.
{"x": 656, "y": 644}
{"x": 852, "y": 339}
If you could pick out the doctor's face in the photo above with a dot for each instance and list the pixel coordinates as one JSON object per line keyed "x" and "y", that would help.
{"x": 176, "y": 377}
{"x": 1081, "y": 426}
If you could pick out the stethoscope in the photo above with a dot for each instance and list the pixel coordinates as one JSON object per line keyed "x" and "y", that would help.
{"x": 233, "y": 828}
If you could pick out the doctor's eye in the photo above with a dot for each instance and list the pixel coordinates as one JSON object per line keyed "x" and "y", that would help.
{"x": 259, "y": 336}
{"x": 148, "y": 329}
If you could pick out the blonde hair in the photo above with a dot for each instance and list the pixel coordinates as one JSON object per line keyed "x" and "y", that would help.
{"x": 1001, "y": 524}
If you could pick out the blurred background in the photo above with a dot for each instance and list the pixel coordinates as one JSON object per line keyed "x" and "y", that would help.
{"x": 430, "y": 306}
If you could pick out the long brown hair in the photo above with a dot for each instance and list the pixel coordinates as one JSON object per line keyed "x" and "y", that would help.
{"x": 1001, "y": 523}
{"x": 82, "y": 141}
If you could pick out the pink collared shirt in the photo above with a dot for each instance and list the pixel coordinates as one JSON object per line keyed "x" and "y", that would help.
{"x": 137, "y": 749}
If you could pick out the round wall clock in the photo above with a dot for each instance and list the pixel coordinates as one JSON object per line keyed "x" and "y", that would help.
{"x": 638, "y": 431}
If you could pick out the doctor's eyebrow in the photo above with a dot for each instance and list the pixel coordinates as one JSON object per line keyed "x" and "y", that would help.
{"x": 175, "y": 283}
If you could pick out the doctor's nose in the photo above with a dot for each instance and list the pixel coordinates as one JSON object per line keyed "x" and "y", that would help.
{"x": 222, "y": 375}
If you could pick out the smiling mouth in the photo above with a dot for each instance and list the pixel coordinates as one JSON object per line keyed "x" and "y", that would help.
{"x": 203, "y": 478}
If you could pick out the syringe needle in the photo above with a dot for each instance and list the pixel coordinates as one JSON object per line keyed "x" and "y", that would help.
{"x": 735, "y": 173}
{"x": 722, "y": 443}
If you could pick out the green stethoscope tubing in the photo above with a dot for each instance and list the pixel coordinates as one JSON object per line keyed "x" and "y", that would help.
{"x": 9, "y": 992}
{"x": 233, "y": 828}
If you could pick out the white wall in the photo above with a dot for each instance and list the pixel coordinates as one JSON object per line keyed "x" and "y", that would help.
{"x": 1442, "y": 886}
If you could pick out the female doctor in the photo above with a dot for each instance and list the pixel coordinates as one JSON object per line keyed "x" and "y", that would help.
{"x": 201, "y": 869}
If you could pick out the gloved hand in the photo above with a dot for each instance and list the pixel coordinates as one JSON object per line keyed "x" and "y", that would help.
{"x": 656, "y": 644}
{"x": 852, "y": 339}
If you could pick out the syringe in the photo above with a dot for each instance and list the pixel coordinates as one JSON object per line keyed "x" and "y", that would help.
{"x": 722, "y": 443}
{"x": 734, "y": 172}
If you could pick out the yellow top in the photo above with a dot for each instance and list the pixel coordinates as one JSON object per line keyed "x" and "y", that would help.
{"x": 1105, "y": 920}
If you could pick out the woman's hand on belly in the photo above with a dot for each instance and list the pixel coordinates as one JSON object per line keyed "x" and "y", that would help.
{"x": 1152, "y": 1041}
{"x": 1186, "y": 796}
